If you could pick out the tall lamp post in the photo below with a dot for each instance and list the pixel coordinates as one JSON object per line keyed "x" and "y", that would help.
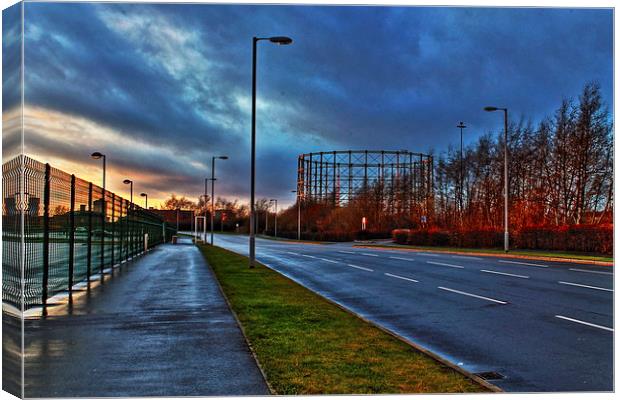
{"x": 505, "y": 110}
{"x": 275, "y": 226}
{"x": 130, "y": 183}
{"x": 298, "y": 215}
{"x": 97, "y": 155}
{"x": 146, "y": 200}
{"x": 281, "y": 40}
{"x": 462, "y": 126}
{"x": 213, "y": 189}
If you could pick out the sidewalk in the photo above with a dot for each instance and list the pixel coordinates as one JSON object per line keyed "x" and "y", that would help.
{"x": 159, "y": 327}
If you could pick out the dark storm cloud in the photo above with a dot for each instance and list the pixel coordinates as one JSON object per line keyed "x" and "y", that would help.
{"x": 11, "y": 51}
{"x": 178, "y": 76}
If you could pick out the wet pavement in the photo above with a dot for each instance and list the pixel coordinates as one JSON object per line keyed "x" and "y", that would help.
{"x": 159, "y": 327}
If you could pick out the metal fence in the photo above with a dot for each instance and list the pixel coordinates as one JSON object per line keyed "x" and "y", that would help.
{"x": 73, "y": 231}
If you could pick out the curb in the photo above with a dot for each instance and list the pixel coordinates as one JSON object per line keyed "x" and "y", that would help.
{"x": 245, "y": 337}
{"x": 508, "y": 255}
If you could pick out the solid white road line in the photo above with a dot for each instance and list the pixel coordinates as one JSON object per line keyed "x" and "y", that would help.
{"x": 331, "y": 261}
{"x": 402, "y": 258}
{"x": 585, "y": 286}
{"x": 504, "y": 273}
{"x": 585, "y": 323}
{"x": 472, "y": 295}
{"x": 592, "y": 272}
{"x": 468, "y": 257}
{"x": 400, "y": 277}
{"x": 444, "y": 264}
{"x": 362, "y": 268}
{"x": 523, "y": 263}
{"x": 346, "y": 252}
{"x": 368, "y": 254}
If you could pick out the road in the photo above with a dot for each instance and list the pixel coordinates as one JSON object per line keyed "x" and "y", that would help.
{"x": 544, "y": 326}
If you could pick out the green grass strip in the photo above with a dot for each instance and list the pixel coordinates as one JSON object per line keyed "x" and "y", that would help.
{"x": 307, "y": 345}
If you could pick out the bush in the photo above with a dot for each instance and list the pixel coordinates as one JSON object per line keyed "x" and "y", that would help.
{"x": 400, "y": 236}
{"x": 581, "y": 238}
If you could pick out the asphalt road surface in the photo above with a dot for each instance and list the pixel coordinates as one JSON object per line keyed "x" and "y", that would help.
{"x": 544, "y": 326}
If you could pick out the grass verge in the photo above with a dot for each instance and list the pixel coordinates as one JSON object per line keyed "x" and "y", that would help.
{"x": 307, "y": 345}
{"x": 531, "y": 253}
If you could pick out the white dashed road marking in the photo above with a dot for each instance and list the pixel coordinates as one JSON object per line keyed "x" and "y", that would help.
{"x": 468, "y": 257}
{"x": 362, "y": 268}
{"x": 369, "y": 255}
{"x": 444, "y": 264}
{"x": 592, "y": 272}
{"x": 472, "y": 295}
{"x": 585, "y": 286}
{"x": 402, "y": 258}
{"x": 400, "y": 277}
{"x": 346, "y": 252}
{"x": 328, "y": 260}
{"x": 585, "y": 323}
{"x": 523, "y": 263}
{"x": 306, "y": 255}
{"x": 504, "y": 273}
{"x": 290, "y": 252}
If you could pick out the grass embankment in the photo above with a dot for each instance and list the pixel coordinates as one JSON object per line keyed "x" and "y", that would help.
{"x": 530, "y": 253}
{"x": 307, "y": 345}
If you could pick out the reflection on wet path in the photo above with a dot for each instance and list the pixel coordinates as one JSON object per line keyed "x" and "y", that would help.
{"x": 159, "y": 327}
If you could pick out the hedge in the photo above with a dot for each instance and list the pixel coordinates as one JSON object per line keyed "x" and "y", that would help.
{"x": 580, "y": 238}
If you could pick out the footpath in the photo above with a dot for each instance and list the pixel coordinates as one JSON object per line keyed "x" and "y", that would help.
{"x": 159, "y": 327}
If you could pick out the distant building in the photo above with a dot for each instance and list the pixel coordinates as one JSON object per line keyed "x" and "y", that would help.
{"x": 185, "y": 218}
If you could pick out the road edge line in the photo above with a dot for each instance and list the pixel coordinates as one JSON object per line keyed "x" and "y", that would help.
{"x": 508, "y": 255}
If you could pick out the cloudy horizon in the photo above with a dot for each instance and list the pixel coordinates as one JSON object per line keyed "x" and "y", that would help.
{"x": 160, "y": 88}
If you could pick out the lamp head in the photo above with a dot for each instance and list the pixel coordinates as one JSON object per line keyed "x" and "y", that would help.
{"x": 143, "y": 194}
{"x": 96, "y": 155}
{"x": 490, "y": 108}
{"x": 281, "y": 40}
{"x": 223, "y": 157}
{"x": 127, "y": 182}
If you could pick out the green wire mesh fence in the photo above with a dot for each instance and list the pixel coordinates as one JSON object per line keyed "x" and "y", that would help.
{"x": 65, "y": 230}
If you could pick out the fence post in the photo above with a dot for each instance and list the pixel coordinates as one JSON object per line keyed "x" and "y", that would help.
{"x": 71, "y": 238}
{"x": 89, "y": 240}
{"x": 112, "y": 227}
{"x": 46, "y": 237}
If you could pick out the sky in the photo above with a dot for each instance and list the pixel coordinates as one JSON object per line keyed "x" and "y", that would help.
{"x": 161, "y": 88}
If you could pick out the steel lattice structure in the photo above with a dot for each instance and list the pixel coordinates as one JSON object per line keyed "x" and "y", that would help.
{"x": 400, "y": 179}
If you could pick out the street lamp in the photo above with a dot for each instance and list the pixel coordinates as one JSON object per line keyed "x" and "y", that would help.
{"x": 130, "y": 183}
{"x": 97, "y": 155}
{"x": 462, "y": 126}
{"x": 213, "y": 189}
{"x": 505, "y": 110}
{"x": 298, "y": 215}
{"x": 281, "y": 40}
{"x": 275, "y": 227}
{"x": 146, "y": 200}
